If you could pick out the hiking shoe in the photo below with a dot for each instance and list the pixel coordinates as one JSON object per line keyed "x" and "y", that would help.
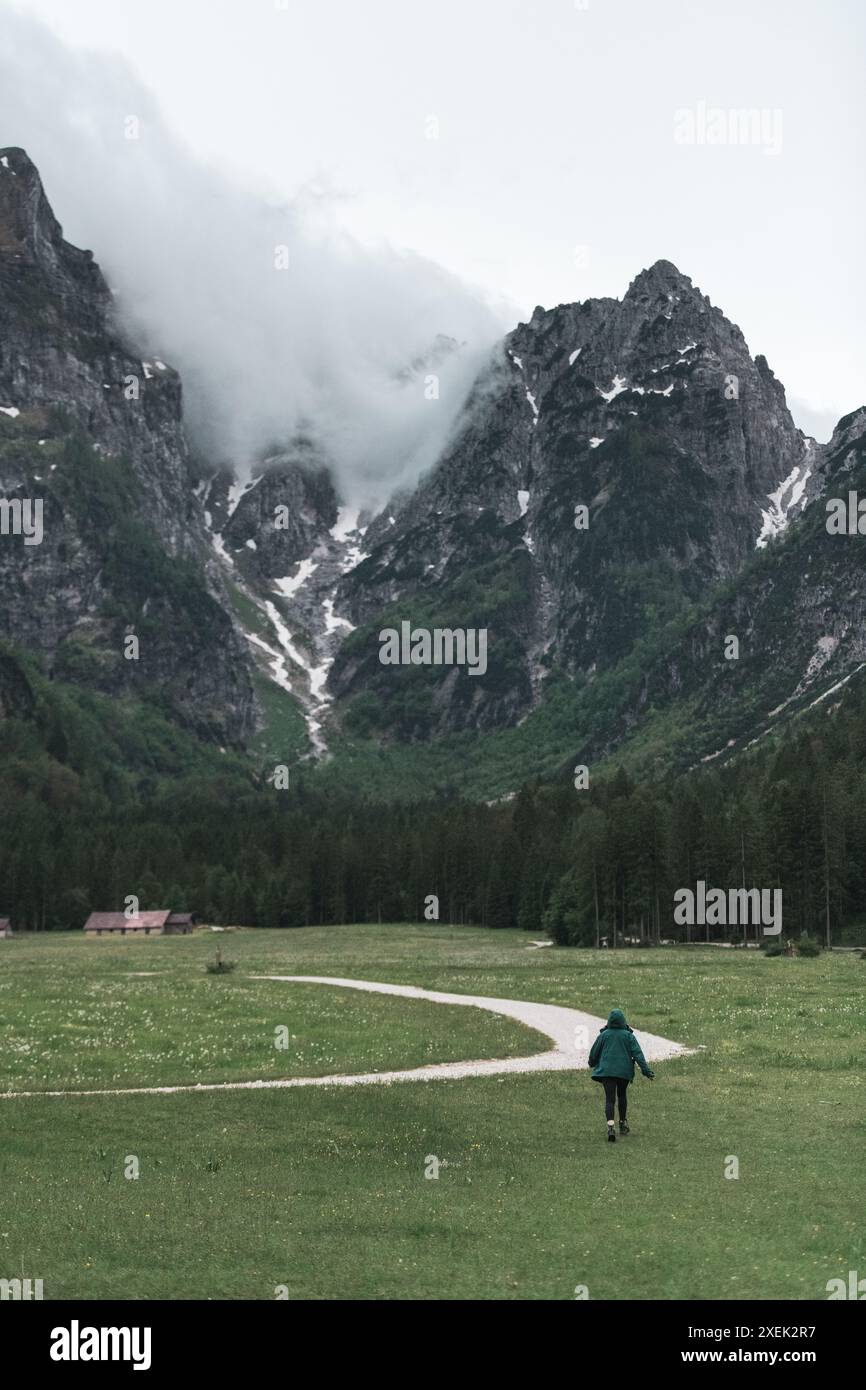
{"x": 611, "y": 1134}
{"x": 623, "y": 1127}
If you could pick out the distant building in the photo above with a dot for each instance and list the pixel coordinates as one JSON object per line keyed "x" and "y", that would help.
{"x": 180, "y": 923}
{"x": 5, "y": 927}
{"x": 161, "y": 923}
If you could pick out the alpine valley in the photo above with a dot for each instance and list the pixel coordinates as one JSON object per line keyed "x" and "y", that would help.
{"x": 625, "y": 490}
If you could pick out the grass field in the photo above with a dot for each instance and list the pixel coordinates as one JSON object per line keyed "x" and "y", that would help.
{"x": 323, "y": 1190}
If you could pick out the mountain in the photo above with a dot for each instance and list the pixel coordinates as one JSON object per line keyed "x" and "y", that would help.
{"x": 623, "y": 491}
{"x": 92, "y": 431}
{"x": 701, "y": 521}
{"x": 620, "y": 407}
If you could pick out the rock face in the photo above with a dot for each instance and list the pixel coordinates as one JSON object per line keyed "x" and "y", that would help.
{"x": 285, "y": 507}
{"x": 616, "y": 463}
{"x": 799, "y": 616}
{"x": 651, "y": 415}
{"x": 94, "y": 433}
{"x": 625, "y": 487}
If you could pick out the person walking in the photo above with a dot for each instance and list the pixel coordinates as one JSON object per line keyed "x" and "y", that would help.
{"x": 613, "y": 1055}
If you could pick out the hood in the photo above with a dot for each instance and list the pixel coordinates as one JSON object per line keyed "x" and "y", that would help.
{"x": 616, "y": 1019}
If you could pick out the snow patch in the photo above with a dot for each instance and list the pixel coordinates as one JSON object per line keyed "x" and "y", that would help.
{"x": 782, "y": 502}
{"x": 345, "y": 526}
{"x": 354, "y": 556}
{"x": 318, "y": 675}
{"x": 284, "y": 637}
{"x": 617, "y": 387}
{"x": 522, "y": 501}
{"x": 332, "y": 622}
{"x": 238, "y": 490}
{"x": 279, "y": 673}
{"x": 291, "y": 584}
{"x": 219, "y": 546}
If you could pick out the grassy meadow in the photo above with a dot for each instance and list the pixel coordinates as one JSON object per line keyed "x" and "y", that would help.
{"x": 322, "y": 1192}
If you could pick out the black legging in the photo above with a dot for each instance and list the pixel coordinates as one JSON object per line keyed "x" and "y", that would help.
{"x": 615, "y": 1088}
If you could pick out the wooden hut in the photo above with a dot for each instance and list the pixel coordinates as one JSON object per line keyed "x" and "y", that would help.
{"x": 118, "y": 924}
{"x": 161, "y": 923}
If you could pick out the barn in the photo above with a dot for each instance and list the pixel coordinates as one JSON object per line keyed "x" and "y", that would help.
{"x": 180, "y": 923}
{"x": 159, "y": 923}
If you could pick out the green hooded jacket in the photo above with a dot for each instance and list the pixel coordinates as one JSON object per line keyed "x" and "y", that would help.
{"x": 615, "y": 1050}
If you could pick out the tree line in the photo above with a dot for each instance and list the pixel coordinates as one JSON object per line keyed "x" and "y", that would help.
{"x": 595, "y": 866}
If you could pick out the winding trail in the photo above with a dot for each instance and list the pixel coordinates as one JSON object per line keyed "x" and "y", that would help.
{"x": 570, "y": 1030}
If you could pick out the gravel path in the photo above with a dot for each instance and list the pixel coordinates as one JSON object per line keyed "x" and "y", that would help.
{"x": 571, "y": 1032}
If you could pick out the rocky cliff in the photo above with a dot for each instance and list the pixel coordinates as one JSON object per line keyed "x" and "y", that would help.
{"x": 619, "y": 467}
{"x": 92, "y": 431}
{"x": 617, "y": 460}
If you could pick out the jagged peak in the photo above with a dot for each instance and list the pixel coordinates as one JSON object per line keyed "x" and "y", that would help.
{"x": 26, "y": 217}
{"x": 16, "y": 161}
{"x": 31, "y": 235}
{"x": 661, "y": 280}
{"x": 662, "y": 277}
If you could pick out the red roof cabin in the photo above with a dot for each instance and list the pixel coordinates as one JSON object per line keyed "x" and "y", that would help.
{"x": 160, "y": 923}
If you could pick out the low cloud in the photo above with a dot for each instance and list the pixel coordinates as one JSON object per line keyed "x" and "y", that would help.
{"x": 326, "y": 345}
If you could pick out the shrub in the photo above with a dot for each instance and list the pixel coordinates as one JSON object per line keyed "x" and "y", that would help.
{"x": 218, "y": 966}
{"x": 774, "y": 948}
{"x": 807, "y": 946}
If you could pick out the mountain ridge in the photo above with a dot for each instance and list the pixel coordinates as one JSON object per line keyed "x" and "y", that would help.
{"x": 649, "y": 412}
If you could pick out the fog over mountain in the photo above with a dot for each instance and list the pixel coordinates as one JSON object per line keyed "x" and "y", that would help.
{"x": 339, "y": 343}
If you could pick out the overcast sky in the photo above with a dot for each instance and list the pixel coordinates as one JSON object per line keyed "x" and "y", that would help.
{"x": 534, "y": 149}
